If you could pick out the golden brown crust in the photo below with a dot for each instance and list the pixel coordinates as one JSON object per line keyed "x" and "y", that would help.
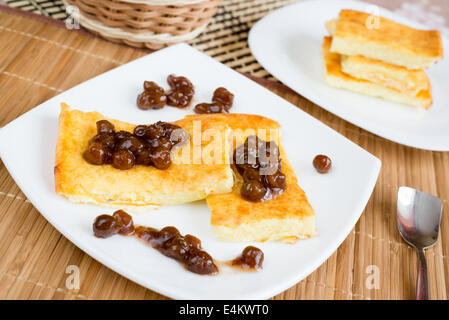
{"x": 231, "y": 215}
{"x": 410, "y": 81}
{"x": 239, "y": 121}
{"x": 336, "y": 77}
{"x": 358, "y": 33}
{"x": 287, "y": 217}
{"x": 60, "y": 148}
{"x": 141, "y": 185}
{"x": 331, "y": 26}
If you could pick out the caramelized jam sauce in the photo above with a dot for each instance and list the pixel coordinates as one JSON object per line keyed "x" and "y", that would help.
{"x": 258, "y": 162}
{"x": 148, "y": 145}
{"x": 186, "y": 249}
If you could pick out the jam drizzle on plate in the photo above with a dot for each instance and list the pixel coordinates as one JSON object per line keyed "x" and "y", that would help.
{"x": 185, "y": 249}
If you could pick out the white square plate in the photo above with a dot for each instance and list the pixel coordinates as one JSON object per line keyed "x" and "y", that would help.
{"x": 287, "y": 43}
{"x": 338, "y": 197}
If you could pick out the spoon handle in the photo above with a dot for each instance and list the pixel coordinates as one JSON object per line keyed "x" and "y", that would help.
{"x": 422, "y": 292}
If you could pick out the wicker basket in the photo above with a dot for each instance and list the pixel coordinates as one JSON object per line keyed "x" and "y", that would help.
{"x": 151, "y": 24}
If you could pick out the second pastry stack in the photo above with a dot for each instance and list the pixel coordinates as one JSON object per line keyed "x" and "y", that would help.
{"x": 380, "y": 58}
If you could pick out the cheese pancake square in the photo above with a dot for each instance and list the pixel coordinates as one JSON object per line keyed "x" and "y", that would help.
{"x": 335, "y": 77}
{"x": 396, "y": 77}
{"x": 287, "y": 217}
{"x": 331, "y": 26}
{"x": 359, "y": 33}
{"x": 385, "y": 74}
{"x": 184, "y": 181}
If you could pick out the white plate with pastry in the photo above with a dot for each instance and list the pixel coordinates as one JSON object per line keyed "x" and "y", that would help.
{"x": 57, "y": 183}
{"x": 289, "y": 43}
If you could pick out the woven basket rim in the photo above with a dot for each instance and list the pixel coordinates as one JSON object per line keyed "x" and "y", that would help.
{"x": 117, "y": 33}
{"x": 143, "y": 24}
{"x": 164, "y": 2}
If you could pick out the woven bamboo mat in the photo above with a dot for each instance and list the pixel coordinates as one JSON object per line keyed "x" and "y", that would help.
{"x": 225, "y": 38}
{"x": 40, "y": 60}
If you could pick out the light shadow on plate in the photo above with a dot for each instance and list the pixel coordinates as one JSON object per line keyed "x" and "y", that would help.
{"x": 304, "y": 52}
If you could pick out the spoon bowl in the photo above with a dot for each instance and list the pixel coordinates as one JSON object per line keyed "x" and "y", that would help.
{"x": 418, "y": 218}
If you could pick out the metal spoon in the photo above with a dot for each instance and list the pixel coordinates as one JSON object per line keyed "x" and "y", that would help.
{"x": 419, "y": 217}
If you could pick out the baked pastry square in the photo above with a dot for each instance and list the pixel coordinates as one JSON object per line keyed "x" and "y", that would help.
{"x": 287, "y": 217}
{"x": 359, "y": 33}
{"x": 184, "y": 181}
{"x": 396, "y": 77}
{"x": 335, "y": 77}
{"x": 410, "y": 81}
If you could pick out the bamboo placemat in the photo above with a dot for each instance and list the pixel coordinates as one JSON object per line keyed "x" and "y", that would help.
{"x": 225, "y": 38}
{"x": 40, "y": 60}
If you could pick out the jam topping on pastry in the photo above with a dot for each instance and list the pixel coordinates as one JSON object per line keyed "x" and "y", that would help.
{"x": 149, "y": 145}
{"x": 257, "y": 161}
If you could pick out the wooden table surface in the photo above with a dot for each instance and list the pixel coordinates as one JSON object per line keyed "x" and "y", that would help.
{"x": 39, "y": 60}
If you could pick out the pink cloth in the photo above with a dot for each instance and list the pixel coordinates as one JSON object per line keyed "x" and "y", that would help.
{"x": 432, "y": 13}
